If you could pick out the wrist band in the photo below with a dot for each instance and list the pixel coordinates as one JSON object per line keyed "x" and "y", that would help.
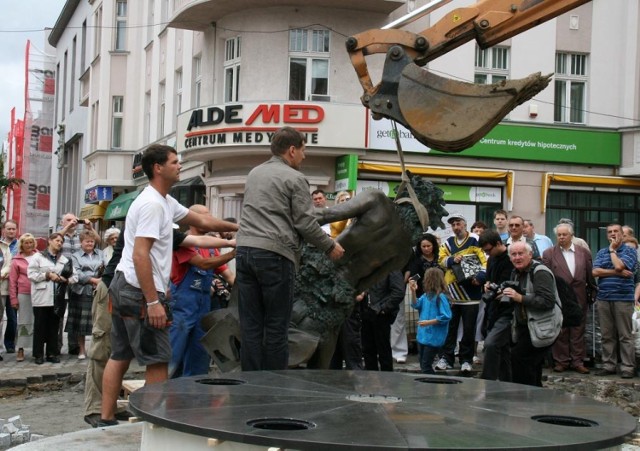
{"x": 157, "y": 301}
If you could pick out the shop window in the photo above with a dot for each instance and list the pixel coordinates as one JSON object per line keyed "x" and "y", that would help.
{"x": 189, "y": 192}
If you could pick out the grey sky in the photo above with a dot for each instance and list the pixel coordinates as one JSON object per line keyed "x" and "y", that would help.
{"x": 21, "y": 21}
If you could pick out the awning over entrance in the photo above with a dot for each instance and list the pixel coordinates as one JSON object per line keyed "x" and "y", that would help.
{"x": 92, "y": 211}
{"x": 193, "y": 181}
{"x": 443, "y": 171}
{"x": 120, "y": 205}
{"x": 590, "y": 180}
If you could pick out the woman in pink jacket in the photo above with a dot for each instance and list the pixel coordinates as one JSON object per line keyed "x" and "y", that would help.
{"x": 20, "y": 292}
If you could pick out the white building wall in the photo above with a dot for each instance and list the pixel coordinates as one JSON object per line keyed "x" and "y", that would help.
{"x": 611, "y": 65}
{"x": 611, "y": 28}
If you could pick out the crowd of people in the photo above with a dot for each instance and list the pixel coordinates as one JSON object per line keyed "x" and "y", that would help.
{"x": 38, "y": 285}
{"x": 477, "y": 285}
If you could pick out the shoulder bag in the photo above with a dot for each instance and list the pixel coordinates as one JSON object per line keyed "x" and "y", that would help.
{"x": 544, "y": 325}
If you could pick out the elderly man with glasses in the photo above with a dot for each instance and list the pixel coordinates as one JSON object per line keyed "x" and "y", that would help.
{"x": 516, "y": 233}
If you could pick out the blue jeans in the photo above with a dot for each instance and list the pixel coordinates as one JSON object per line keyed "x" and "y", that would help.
{"x": 468, "y": 315}
{"x": 427, "y": 355}
{"x": 191, "y": 301}
{"x": 264, "y": 281}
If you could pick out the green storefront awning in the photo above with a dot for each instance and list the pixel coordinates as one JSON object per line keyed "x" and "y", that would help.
{"x": 118, "y": 208}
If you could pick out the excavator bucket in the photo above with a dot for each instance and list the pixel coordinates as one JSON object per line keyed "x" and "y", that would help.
{"x": 451, "y": 116}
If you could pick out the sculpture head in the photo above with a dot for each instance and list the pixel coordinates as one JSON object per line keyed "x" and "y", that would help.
{"x": 430, "y": 196}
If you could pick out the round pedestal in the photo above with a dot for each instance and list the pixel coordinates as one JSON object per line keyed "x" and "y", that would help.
{"x": 339, "y": 410}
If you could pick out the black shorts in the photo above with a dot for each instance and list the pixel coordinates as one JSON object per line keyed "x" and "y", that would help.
{"x": 131, "y": 336}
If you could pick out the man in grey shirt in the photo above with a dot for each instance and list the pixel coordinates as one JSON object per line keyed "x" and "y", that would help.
{"x": 277, "y": 214}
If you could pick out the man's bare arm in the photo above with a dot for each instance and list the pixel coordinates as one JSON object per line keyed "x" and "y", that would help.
{"x": 212, "y": 262}
{"x": 207, "y": 222}
{"x": 206, "y": 241}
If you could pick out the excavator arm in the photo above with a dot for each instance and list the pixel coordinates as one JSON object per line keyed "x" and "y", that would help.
{"x": 445, "y": 114}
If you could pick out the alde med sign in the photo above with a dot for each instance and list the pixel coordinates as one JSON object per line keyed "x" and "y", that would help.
{"x": 250, "y": 124}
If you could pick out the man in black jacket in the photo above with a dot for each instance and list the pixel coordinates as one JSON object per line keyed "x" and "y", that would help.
{"x": 382, "y": 303}
{"x": 498, "y": 314}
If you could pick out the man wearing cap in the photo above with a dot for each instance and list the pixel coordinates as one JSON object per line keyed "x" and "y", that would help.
{"x": 464, "y": 295}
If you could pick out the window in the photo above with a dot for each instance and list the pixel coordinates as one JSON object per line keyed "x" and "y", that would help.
{"x": 232, "y": 69}
{"x": 162, "y": 92}
{"x": 57, "y": 97}
{"x": 97, "y": 29}
{"x": 147, "y": 117}
{"x": 570, "y": 88}
{"x": 309, "y": 64}
{"x": 164, "y": 12}
{"x": 83, "y": 47}
{"x": 492, "y": 65}
{"x": 121, "y": 25}
{"x": 178, "y": 105}
{"x": 65, "y": 76}
{"x": 151, "y": 22}
{"x": 95, "y": 124}
{"x": 72, "y": 79}
{"x": 197, "y": 81}
{"x": 117, "y": 120}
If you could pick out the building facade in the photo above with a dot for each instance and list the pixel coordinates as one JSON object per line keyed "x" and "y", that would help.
{"x": 215, "y": 78}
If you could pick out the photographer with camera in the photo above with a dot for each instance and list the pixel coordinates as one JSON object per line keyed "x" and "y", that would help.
{"x": 535, "y": 294}
{"x": 498, "y": 310}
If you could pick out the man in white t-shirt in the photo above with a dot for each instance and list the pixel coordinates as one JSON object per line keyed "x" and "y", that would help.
{"x": 139, "y": 315}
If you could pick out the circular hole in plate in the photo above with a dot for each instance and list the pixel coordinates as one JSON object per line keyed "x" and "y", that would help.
{"x": 374, "y": 399}
{"x": 220, "y": 381}
{"x": 561, "y": 420}
{"x": 281, "y": 424}
{"x": 438, "y": 380}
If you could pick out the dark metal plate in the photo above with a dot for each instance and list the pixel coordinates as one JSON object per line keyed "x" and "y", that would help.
{"x": 339, "y": 410}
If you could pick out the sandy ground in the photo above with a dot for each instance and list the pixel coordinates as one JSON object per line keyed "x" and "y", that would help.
{"x": 55, "y": 410}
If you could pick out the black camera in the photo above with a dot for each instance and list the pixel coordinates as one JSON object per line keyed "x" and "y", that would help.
{"x": 220, "y": 290}
{"x": 496, "y": 289}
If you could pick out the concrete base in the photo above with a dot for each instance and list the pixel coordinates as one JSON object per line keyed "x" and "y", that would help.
{"x": 126, "y": 437}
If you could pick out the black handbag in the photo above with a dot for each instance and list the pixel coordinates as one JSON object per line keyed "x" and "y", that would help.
{"x": 60, "y": 291}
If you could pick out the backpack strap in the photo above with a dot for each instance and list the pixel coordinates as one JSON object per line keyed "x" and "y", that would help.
{"x": 536, "y": 266}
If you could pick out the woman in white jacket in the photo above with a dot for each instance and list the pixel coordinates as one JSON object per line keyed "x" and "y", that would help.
{"x": 44, "y": 273}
